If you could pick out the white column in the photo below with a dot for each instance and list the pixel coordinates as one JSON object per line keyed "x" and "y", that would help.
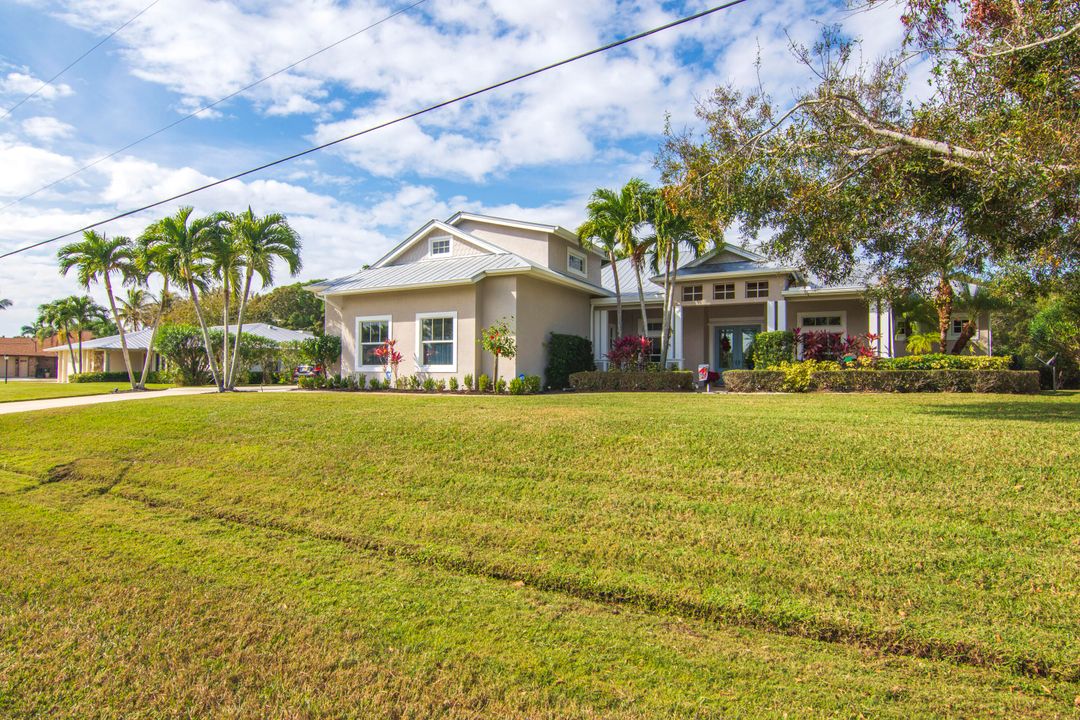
{"x": 880, "y": 323}
{"x": 602, "y": 337}
{"x": 677, "y": 345}
{"x": 770, "y": 315}
{"x": 781, "y": 314}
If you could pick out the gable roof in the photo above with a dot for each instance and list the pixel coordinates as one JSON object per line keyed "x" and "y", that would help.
{"x": 427, "y": 229}
{"x": 462, "y": 216}
{"x": 728, "y": 248}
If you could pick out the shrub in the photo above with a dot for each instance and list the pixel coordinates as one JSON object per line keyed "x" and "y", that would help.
{"x": 500, "y": 386}
{"x": 566, "y": 354}
{"x": 468, "y": 383}
{"x": 773, "y": 348}
{"x": 321, "y": 350}
{"x": 532, "y": 384}
{"x": 941, "y": 361}
{"x": 182, "y": 346}
{"x": 517, "y": 386}
{"x": 453, "y": 384}
{"x": 599, "y": 381}
{"x": 306, "y": 383}
{"x": 754, "y": 380}
{"x": 89, "y": 377}
{"x": 377, "y": 384}
{"x": 630, "y": 352}
{"x": 483, "y": 383}
{"x": 413, "y": 382}
{"x": 980, "y": 381}
{"x": 428, "y": 384}
{"x": 820, "y": 344}
{"x": 798, "y": 376}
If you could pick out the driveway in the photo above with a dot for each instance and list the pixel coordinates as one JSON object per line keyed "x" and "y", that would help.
{"x": 52, "y": 403}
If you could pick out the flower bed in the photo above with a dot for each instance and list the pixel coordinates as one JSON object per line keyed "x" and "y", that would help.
{"x": 629, "y": 380}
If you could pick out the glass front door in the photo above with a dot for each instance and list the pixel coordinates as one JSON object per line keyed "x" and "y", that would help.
{"x": 731, "y": 346}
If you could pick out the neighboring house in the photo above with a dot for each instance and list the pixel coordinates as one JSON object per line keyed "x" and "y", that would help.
{"x": 25, "y": 357}
{"x": 437, "y": 289}
{"x": 105, "y": 354}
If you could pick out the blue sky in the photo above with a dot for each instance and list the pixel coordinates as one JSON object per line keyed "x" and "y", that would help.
{"x": 533, "y": 151}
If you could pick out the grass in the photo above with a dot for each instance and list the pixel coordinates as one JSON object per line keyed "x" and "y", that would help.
{"x": 615, "y": 556}
{"x": 47, "y": 389}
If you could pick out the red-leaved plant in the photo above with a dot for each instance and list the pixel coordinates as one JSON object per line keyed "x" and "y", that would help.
{"x": 630, "y": 352}
{"x": 390, "y": 357}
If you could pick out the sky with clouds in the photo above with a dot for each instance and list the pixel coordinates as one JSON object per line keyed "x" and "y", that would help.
{"x": 533, "y": 151}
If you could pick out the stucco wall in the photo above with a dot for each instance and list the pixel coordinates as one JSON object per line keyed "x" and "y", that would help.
{"x": 857, "y": 312}
{"x": 544, "y": 308}
{"x": 419, "y": 251}
{"x": 530, "y": 244}
{"x": 776, "y": 288}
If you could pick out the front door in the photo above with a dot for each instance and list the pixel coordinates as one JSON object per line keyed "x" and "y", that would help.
{"x": 731, "y": 346}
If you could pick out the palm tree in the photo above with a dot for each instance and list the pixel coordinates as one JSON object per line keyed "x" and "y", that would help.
{"x": 261, "y": 241}
{"x": 599, "y": 235}
{"x": 223, "y": 251}
{"x": 58, "y": 315}
{"x": 97, "y": 258}
{"x": 149, "y": 259}
{"x": 40, "y": 330}
{"x": 183, "y": 257}
{"x": 618, "y": 215}
{"x": 138, "y": 306}
{"x": 84, "y": 315}
{"x": 672, "y": 230}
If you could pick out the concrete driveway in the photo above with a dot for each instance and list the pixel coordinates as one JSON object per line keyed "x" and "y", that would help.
{"x": 52, "y": 403}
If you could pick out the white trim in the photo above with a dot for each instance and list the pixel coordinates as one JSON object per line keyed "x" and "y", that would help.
{"x": 842, "y": 327}
{"x": 431, "y": 242}
{"x": 829, "y": 292}
{"x": 727, "y": 247}
{"x": 571, "y": 252}
{"x": 357, "y": 365}
{"x": 423, "y": 232}
{"x": 419, "y": 343}
{"x": 519, "y": 224}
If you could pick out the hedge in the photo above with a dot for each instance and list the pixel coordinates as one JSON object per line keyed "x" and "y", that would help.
{"x": 566, "y": 354}
{"x": 979, "y": 381}
{"x": 754, "y": 380}
{"x": 93, "y": 377}
{"x": 940, "y": 361}
{"x": 622, "y": 381}
{"x": 773, "y": 348}
{"x": 897, "y": 381}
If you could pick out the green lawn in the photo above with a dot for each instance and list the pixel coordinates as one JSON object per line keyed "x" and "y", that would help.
{"x": 317, "y": 554}
{"x": 33, "y": 390}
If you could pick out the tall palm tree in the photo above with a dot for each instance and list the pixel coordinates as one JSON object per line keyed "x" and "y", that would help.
{"x": 223, "y": 251}
{"x": 600, "y": 235}
{"x": 97, "y": 258}
{"x": 58, "y": 314}
{"x": 620, "y": 214}
{"x": 184, "y": 243}
{"x": 672, "y": 230}
{"x": 137, "y": 306}
{"x": 261, "y": 242}
{"x": 40, "y": 330}
{"x": 84, "y": 314}
{"x": 149, "y": 256}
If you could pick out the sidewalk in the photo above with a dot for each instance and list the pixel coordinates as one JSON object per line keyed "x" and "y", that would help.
{"x": 52, "y": 403}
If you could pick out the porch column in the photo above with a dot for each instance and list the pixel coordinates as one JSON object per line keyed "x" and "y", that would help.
{"x": 880, "y": 322}
{"x": 676, "y": 349}
{"x": 781, "y": 314}
{"x": 601, "y": 347}
{"x": 775, "y": 315}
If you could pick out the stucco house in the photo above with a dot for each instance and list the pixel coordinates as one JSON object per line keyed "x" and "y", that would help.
{"x": 440, "y": 286}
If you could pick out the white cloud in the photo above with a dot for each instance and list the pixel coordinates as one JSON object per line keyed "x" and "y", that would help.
{"x": 46, "y": 129}
{"x": 19, "y": 83}
{"x": 26, "y": 168}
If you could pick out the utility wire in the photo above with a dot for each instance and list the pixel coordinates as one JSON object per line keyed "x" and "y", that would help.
{"x": 74, "y": 62}
{"x": 204, "y": 108}
{"x": 388, "y": 123}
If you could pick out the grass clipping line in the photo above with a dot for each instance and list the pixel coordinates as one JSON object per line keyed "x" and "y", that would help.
{"x": 890, "y": 642}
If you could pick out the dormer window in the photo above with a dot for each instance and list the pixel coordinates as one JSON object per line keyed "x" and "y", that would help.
{"x": 575, "y": 262}
{"x": 439, "y": 246}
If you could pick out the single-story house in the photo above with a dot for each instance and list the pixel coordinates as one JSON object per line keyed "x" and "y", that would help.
{"x": 436, "y": 290}
{"x": 105, "y": 354}
{"x": 25, "y": 357}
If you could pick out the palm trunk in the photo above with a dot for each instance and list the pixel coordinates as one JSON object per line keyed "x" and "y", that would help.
{"x": 968, "y": 332}
{"x": 80, "y": 351}
{"x": 120, "y": 327}
{"x": 153, "y": 334}
{"x": 71, "y": 350}
{"x": 641, "y": 298}
{"x": 665, "y": 327}
{"x": 495, "y": 379}
{"x": 225, "y": 324}
{"x": 618, "y": 296}
{"x": 206, "y": 335}
{"x": 230, "y": 376}
{"x": 943, "y": 302}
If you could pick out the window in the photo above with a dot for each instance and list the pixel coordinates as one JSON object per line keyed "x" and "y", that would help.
{"x": 439, "y": 246}
{"x": 575, "y": 262}
{"x": 958, "y": 325}
{"x": 436, "y": 341}
{"x": 371, "y": 333}
{"x": 817, "y": 321}
{"x": 723, "y": 291}
{"x": 757, "y": 289}
{"x": 691, "y": 293}
{"x": 653, "y": 332}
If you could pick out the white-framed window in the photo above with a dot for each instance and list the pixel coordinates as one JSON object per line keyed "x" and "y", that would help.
{"x": 439, "y": 245}
{"x": 576, "y": 262}
{"x": 691, "y": 293}
{"x": 958, "y": 322}
{"x": 723, "y": 291}
{"x": 757, "y": 289}
{"x": 825, "y": 321}
{"x": 436, "y": 341}
{"x": 371, "y": 333}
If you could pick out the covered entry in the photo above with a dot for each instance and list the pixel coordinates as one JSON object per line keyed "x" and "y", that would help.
{"x": 730, "y": 346}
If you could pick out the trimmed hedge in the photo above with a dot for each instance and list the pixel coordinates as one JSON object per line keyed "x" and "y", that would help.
{"x": 623, "y": 381}
{"x": 901, "y": 381}
{"x": 754, "y": 381}
{"x": 941, "y": 361}
{"x": 895, "y": 381}
{"x": 93, "y": 377}
{"x": 566, "y": 354}
{"x": 773, "y": 348}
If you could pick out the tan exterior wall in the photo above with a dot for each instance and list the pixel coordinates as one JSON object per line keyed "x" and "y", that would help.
{"x": 856, "y": 311}
{"x": 419, "y": 251}
{"x": 530, "y": 244}
{"x": 497, "y": 298}
{"x": 557, "y": 259}
{"x": 777, "y": 285}
{"x": 544, "y": 308}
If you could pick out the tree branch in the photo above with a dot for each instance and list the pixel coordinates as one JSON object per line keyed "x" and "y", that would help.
{"x": 1018, "y": 48}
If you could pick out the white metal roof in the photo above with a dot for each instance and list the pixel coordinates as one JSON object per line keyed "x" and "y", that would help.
{"x": 140, "y": 339}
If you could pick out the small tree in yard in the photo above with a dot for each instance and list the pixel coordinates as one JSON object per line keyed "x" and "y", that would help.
{"x": 498, "y": 339}
{"x": 322, "y": 350}
{"x": 390, "y": 357}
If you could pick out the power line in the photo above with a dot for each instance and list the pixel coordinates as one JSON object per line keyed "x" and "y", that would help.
{"x": 74, "y": 62}
{"x": 213, "y": 104}
{"x": 388, "y": 123}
